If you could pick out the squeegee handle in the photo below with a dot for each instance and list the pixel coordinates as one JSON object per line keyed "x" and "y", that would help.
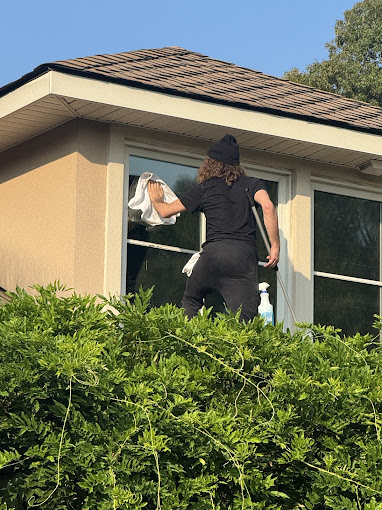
{"x": 260, "y": 225}
{"x": 268, "y": 246}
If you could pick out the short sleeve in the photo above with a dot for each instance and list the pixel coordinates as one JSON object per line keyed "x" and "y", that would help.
{"x": 192, "y": 199}
{"x": 257, "y": 185}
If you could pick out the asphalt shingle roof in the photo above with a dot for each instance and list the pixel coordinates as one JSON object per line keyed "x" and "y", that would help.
{"x": 181, "y": 72}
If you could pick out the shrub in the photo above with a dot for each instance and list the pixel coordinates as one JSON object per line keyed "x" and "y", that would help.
{"x": 144, "y": 409}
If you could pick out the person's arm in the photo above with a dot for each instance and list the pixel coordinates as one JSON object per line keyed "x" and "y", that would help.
{"x": 271, "y": 224}
{"x": 166, "y": 210}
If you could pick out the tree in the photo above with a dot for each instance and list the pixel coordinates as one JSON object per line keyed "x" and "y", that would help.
{"x": 353, "y": 67}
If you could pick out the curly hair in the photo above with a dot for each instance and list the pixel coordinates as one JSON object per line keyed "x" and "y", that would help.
{"x": 213, "y": 168}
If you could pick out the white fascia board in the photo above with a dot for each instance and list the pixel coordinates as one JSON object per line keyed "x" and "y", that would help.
{"x": 123, "y": 96}
{"x": 25, "y": 95}
{"x": 209, "y": 113}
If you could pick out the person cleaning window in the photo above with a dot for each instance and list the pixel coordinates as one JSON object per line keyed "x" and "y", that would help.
{"x": 229, "y": 257}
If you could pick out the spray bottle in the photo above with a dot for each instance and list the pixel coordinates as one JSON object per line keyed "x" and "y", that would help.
{"x": 265, "y": 307}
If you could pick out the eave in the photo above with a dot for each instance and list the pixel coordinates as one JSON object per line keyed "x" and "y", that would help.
{"x": 49, "y": 97}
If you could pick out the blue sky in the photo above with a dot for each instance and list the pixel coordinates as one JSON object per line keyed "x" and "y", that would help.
{"x": 268, "y": 36}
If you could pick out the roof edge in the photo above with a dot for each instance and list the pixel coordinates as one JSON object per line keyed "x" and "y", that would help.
{"x": 45, "y": 68}
{"x": 14, "y": 85}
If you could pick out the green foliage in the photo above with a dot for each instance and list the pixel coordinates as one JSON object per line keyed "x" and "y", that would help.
{"x": 353, "y": 67}
{"x": 132, "y": 407}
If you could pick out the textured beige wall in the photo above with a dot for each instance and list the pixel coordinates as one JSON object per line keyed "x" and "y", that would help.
{"x": 90, "y": 204}
{"x": 52, "y": 196}
{"x": 37, "y": 183}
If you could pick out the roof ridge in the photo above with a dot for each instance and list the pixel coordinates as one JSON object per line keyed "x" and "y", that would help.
{"x": 147, "y": 58}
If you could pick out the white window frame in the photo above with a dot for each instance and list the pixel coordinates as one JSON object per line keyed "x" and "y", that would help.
{"x": 355, "y": 191}
{"x": 178, "y": 156}
{"x": 163, "y": 154}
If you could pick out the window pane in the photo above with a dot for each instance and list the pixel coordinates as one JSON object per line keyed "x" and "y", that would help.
{"x": 185, "y": 233}
{"x": 272, "y": 188}
{"x": 346, "y": 235}
{"x": 150, "y": 266}
{"x": 346, "y": 305}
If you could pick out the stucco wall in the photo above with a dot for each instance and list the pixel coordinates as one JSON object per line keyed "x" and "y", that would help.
{"x": 52, "y": 195}
{"x": 89, "y": 251}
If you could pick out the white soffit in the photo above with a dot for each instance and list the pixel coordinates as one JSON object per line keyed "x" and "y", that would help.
{"x": 55, "y": 98}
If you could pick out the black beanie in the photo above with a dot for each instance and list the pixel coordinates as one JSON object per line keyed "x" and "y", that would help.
{"x": 226, "y": 150}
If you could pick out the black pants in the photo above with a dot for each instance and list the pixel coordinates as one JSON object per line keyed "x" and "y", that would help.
{"x": 229, "y": 269}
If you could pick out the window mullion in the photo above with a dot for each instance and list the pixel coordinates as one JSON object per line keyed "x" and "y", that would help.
{"x": 160, "y": 246}
{"x": 344, "y": 278}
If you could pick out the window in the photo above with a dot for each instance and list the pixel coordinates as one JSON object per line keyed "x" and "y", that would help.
{"x": 347, "y": 261}
{"x": 156, "y": 255}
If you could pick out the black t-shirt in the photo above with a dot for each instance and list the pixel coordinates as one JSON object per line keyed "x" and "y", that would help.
{"x": 227, "y": 208}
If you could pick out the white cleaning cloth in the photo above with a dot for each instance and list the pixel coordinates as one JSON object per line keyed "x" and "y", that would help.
{"x": 190, "y": 264}
{"x": 141, "y": 200}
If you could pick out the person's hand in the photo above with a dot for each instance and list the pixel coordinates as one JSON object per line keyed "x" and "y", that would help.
{"x": 274, "y": 257}
{"x": 156, "y": 192}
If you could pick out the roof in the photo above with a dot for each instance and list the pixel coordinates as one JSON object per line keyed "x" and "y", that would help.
{"x": 180, "y": 72}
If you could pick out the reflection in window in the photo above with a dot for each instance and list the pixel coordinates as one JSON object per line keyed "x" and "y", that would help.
{"x": 346, "y": 242}
{"x": 346, "y": 235}
{"x": 185, "y": 233}
{"x": 160, "y": 267}
{"x": 346, "y": 305}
